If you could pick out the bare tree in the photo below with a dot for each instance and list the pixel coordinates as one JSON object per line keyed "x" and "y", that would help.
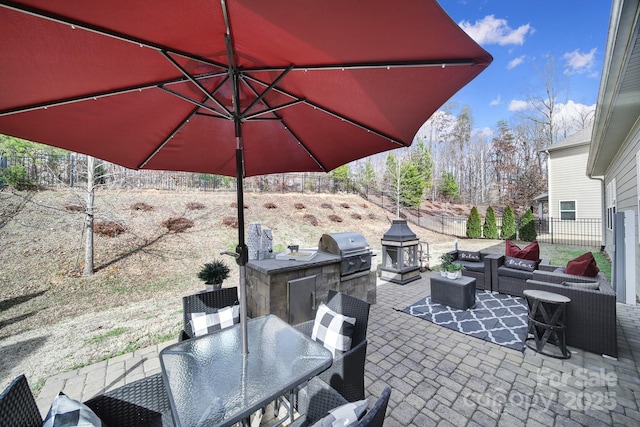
{"x": 88, "y": 218}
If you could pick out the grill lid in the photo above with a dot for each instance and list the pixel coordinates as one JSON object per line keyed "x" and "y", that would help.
{"x": 344, "y": 244}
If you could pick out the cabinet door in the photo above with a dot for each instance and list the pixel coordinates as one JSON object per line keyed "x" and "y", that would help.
{"x": 301, "y": 296}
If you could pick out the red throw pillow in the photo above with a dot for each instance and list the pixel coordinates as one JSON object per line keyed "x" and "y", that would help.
{"x": 584, "y": 265}
{"x": 531, "y": 252}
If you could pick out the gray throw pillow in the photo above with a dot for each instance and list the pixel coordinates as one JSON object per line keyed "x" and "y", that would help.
{"x": 520, "y": 264}
{"x": 583, "y": 285}
{"x": 469, "y": 256}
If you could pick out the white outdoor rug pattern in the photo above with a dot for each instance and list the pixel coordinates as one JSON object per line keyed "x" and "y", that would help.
{"x": 497, "y": 318}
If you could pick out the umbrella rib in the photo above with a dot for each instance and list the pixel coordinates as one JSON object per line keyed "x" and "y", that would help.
{"x": 168, "y": 138}
{"x": 194, "y": 102}
{"x": 196, "y": 83}
{"x": 94, "y": 96}
{"x": 331, "y": 113}
{"x": 272, "y": 109}
{"x": 443, "y": 63}
{"x": 268, "y": 89}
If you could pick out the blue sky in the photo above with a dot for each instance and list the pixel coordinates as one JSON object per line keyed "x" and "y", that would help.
{"x": 521, "y": 35}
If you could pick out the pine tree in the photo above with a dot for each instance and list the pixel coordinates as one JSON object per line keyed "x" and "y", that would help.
{"x": 508, "y": 231}
{"x": 527, "y": 231}
{"x": 474, "y": 227}
{"x": 490, "y": 229}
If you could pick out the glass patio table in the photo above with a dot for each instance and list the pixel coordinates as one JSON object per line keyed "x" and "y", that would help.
{"x": 211, "y": 383}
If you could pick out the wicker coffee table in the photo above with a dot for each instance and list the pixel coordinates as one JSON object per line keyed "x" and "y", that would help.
{"x": 457, "y": 293}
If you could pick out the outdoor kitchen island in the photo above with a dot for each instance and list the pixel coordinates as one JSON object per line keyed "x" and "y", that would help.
{"x": 292, "y": 289}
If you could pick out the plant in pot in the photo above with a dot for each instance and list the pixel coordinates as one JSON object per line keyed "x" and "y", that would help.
{"x": 454, "y": 270}
{"x": 214, "y": 273}
{"x": 446, "y": 259}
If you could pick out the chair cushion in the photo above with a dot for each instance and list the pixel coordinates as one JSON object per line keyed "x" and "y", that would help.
{"x": 67, "y": 412}
{"x": 469, "y": 256}
{"x": 530, "y": 252}
{"x": 203, "y": 323}
{"x": 584, "y": 265}
{"x": 345, "y": 415}
{"x": 333, "y": 330}
{"x": 471, "y": 265}
{"x": 583, "y": 285}
{"x": 520, "y": 264}
{"x": 515, "y": 273}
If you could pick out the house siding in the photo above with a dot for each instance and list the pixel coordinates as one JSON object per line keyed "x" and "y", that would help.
{"x": 568, "y": 181}
{"x": 623, "y": 170}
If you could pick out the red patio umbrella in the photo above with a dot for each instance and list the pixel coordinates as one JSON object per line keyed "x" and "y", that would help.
{"x": 229, "y": 87}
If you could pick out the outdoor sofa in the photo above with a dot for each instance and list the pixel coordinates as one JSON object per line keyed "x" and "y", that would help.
{"x": 140, "y": 403}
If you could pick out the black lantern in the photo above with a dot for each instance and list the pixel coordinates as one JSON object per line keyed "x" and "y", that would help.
{"x": 400, "y": 254}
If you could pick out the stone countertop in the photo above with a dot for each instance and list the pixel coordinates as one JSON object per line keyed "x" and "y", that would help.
{"x": 274, "y": 266}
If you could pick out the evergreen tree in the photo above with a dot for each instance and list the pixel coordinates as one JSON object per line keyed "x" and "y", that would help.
{"x": 490, "y": 229}
{"x": 412, "y": 185}
{"x": 527, "y": 231}
{"x": 449, "y": 187}
{"x": 508, "y": 231}
{"x": 423, "y": 161}
{"x": 474, "y": 227}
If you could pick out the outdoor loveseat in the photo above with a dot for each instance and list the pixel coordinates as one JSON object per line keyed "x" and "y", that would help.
{"x": 140, "y": 403}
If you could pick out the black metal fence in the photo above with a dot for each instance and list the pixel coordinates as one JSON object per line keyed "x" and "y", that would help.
{"x": 44, "y": 170}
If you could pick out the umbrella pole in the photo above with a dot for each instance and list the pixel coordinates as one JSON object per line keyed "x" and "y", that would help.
{"x": 241, "y": 250}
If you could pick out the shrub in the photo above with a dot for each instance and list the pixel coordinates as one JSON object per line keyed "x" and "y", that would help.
{"x": 508, "y": 231}
{"x": 177, "y": 225}
{"x": 474, "y": 228}
{"x": 326, "y": 206}
{"x": 335, "y": 218}
{"x": 299, "y": 206}
{"x": 345, "y": 205}
{"x": 108, "y": 228}
{"x": 527, "y": 231}
{"x": 356, "y": 216}
{"x": 311, "y": 219}
{"x": 230, "y": 221}
{"x": 74, "y": 208}
{"x": 194, "y": 206}
{"x": 140, "y": 206}
{"x": 16, "y": 177}
{"x": 490, "y": 229}
{"x": 270, "y": 205}
{"x": 235, "y": 205}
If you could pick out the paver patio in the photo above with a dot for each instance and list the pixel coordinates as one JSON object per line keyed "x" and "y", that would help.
{"x": 442, "y": 377}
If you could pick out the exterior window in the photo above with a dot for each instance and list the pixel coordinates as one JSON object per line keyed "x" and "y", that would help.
{"x": 568, "y": 210}
{"x": 611, "y": 203}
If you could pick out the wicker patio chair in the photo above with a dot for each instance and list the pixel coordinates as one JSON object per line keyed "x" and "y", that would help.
{"x": 346, "y": 374}
{"x": 17, "y": 405}
{"x": 318, "y": 398}
{"x": 205, "y": 302}
{"x": 140, "y": 403}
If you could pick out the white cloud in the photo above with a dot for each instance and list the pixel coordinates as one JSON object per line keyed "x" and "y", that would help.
{"x": 491, "y": 30}
{"x": 573, "y": 116}
{"x": 578, "y": 62}
{"x": 496, "y": 101}
{"x": 515, "y": 62}
{"x": 519, "y": 105}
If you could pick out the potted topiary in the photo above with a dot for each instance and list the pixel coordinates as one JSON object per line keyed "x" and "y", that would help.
{"x": 213, "y": 274}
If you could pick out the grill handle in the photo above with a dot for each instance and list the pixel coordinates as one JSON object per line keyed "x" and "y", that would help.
{"x": 313, "y": 300}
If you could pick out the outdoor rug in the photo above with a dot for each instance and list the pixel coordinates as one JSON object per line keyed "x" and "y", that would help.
{"x": 497, "y": 318}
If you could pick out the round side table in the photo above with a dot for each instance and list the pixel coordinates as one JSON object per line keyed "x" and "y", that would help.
{"x": 547, "y": 322}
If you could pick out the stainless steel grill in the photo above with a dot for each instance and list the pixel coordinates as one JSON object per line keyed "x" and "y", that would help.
{"x": 351, "y": 247}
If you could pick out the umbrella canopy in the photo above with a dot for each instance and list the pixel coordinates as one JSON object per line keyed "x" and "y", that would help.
{"x": 230, "y": 87}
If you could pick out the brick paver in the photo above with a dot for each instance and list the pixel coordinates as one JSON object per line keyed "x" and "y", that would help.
{"x": 441, "y": 377}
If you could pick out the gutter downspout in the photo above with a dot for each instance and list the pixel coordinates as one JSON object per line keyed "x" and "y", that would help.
{"x": 603, "y": 208}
